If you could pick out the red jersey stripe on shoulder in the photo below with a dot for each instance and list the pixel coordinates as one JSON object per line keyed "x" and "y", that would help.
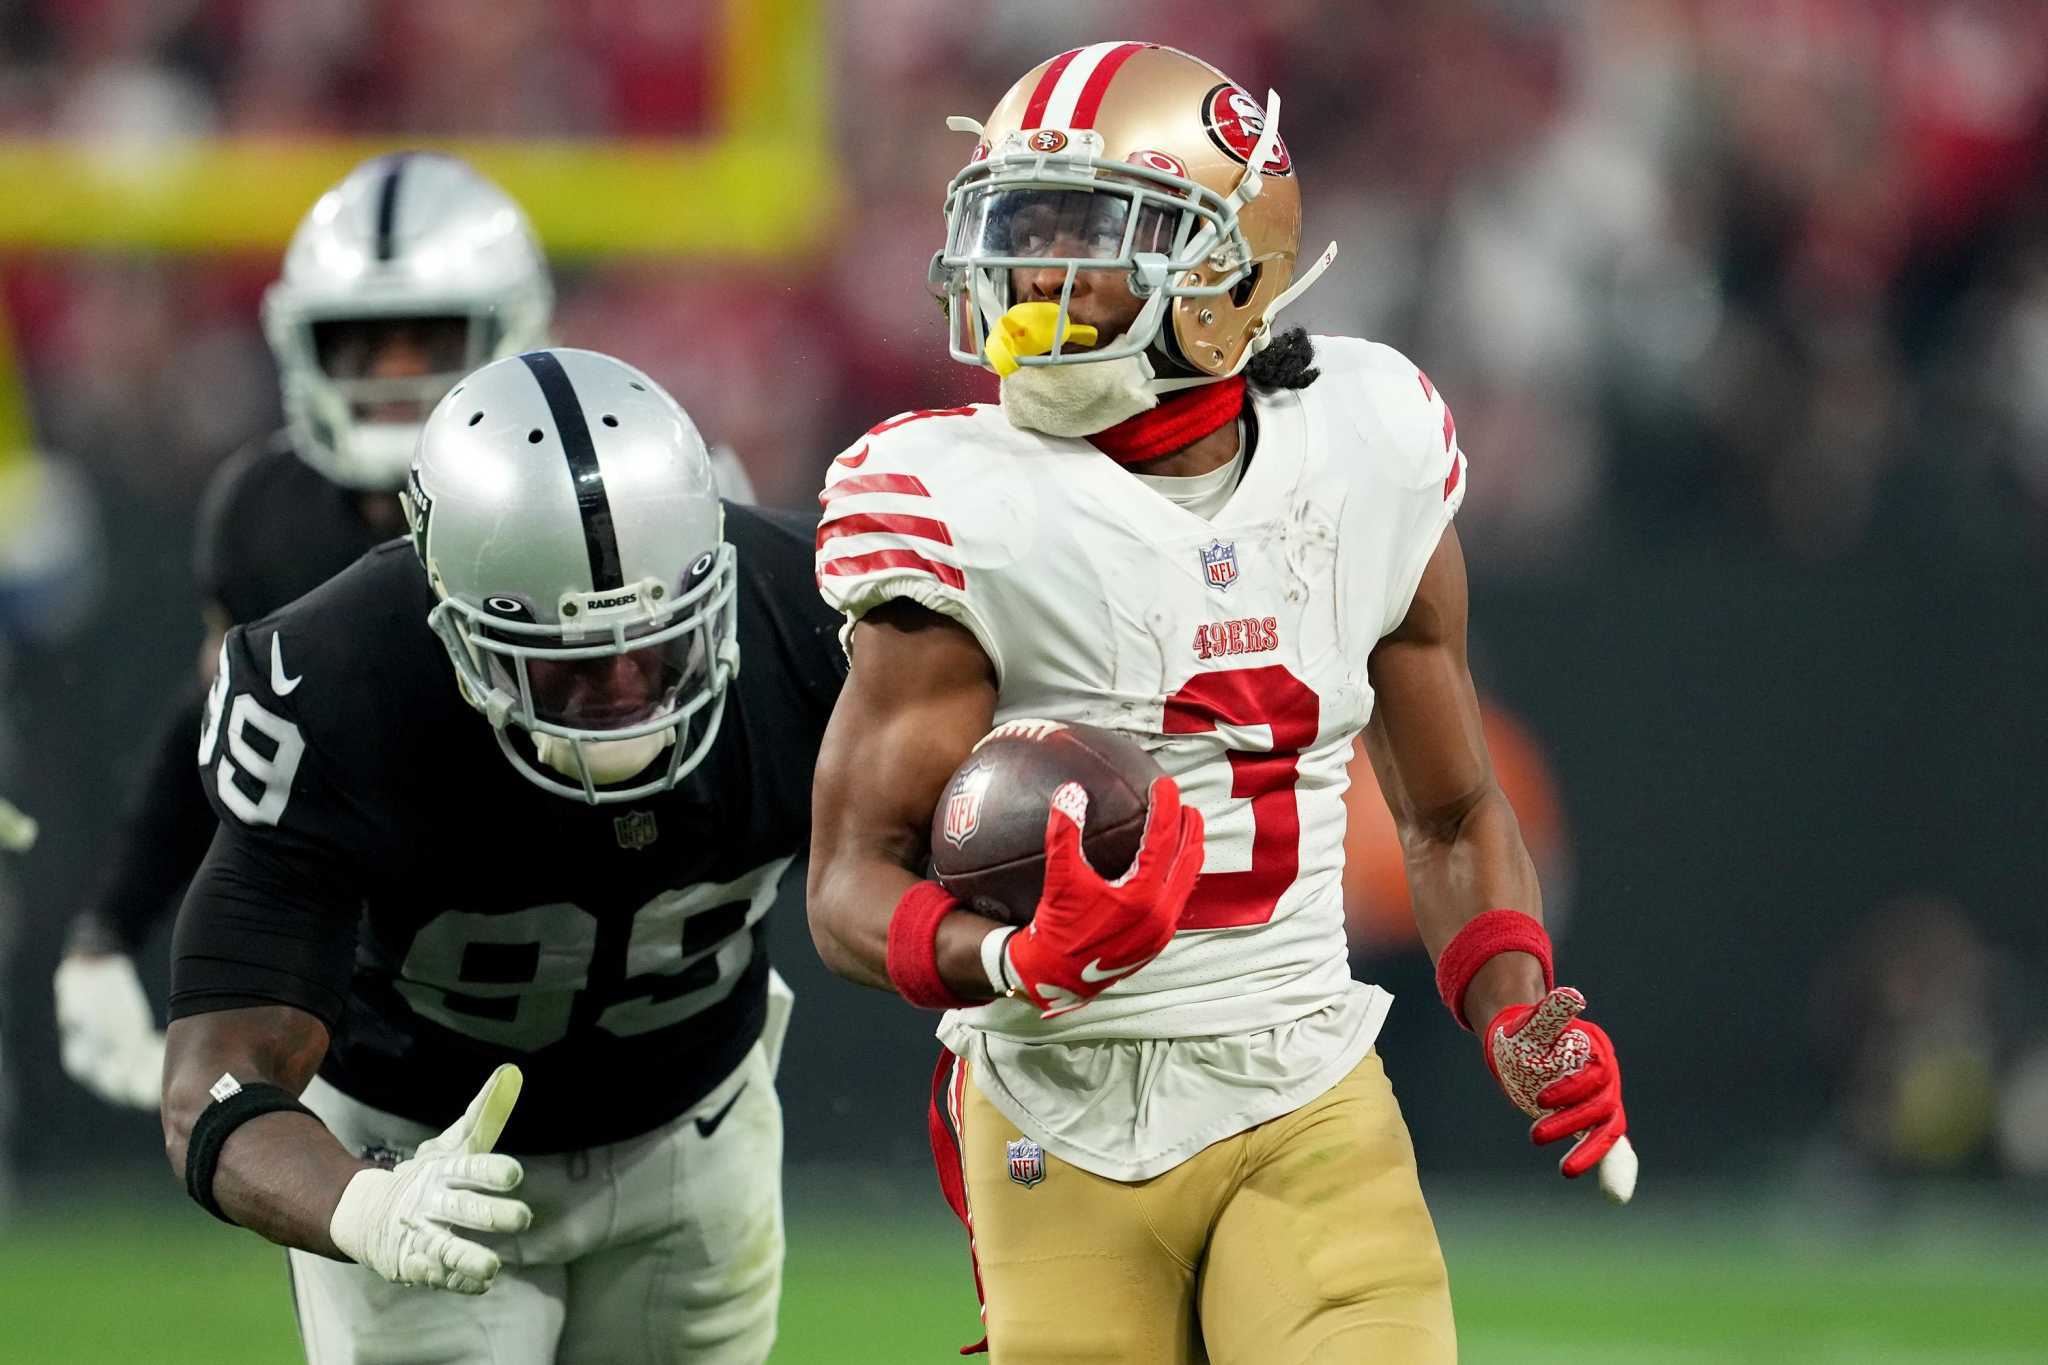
{"x": 1090, "y": 101}
{"x": 900, "y": 523}
{"x": 1041, "y": 94}
{"x": 853, "y": 459}
{"x": 908, "y": 484}
{"x": 852, "y": 565}
{"x": 904, "y": 419}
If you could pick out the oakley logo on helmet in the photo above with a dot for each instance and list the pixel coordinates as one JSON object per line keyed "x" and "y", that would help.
{"x": 1235, "y": 120}
{"x": 697, "y": 572}
{"x": 1048, "y": 140}
{"x": 1159, "y": 161}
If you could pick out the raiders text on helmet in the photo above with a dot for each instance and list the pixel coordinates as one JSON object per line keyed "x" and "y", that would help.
{"x": 564, "y": 508}
{"x": 408, "y": 236}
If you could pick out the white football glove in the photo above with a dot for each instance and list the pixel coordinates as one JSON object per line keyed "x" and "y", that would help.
{"x": 107, "y": 1035}
{"x": 399, "y": 1222}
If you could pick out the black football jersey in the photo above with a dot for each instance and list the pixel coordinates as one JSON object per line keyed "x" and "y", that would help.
{"x": 381, "y": 864}
{"x": 271, "y": 528}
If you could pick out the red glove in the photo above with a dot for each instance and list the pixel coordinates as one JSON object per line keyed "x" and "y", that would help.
{"x": 1561, "y": 1071}
{"x": 1089, "y": 932}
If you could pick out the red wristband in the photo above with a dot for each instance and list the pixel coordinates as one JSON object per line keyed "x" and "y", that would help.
{"x": 1482, "y": 939}
{"x": 914, "y": 947}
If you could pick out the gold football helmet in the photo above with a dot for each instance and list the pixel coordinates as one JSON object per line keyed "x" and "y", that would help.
{"x": 1151, "y": 161}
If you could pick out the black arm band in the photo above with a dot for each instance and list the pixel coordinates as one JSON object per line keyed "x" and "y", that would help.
{"x": 216, "y": 1123}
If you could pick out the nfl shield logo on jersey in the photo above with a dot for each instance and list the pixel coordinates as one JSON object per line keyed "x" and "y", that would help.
{"x": 636, "y": 829}
{"x": 963, "y": 806}
{"x": 1027, "y": 1162}
{"x": 1219, "y": 564}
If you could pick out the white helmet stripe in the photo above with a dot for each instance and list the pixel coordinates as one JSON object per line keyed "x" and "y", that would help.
{"x": 1066, "y": 95}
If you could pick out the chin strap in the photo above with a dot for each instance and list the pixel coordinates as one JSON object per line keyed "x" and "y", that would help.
{"x": 1182, "y": 418}
{"x": 1248, "y": 187}
{"x": 1263, "y": 336}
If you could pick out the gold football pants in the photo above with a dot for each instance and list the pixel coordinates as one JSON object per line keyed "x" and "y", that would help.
{"x": 1304, "y": 1239}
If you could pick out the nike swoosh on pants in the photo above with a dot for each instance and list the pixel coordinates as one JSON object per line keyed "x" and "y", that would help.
{"x": 708, "y": 1125}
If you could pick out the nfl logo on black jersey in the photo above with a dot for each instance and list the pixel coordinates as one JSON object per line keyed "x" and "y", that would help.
{"x": 1027, "y": 1162}
{"x": 636, "y": 829}
{"x": 1219, "y": 564}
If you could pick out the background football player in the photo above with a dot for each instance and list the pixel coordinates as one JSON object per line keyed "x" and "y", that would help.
{"x": 559, "y": 857}
{"x": 409, "y": 273}
{"x": 1177, "y": 1142}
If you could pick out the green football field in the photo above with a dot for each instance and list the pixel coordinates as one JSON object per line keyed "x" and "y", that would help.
{"x": 882, "y": 1277}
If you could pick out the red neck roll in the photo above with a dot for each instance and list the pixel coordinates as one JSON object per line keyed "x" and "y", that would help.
{"x": 1182, "y": 418}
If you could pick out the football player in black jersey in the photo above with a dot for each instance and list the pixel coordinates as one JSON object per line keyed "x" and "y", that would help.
{"x": 547, "y": 867}
{"x": 409, "y": 273}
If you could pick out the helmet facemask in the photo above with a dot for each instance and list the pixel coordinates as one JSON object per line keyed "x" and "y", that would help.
{"x": 342, "y": 420}
{"x": 1158, "y": 229}
{"x": 608, "y": 684}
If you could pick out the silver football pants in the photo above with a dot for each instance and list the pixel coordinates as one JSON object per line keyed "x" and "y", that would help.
{"x": 663, "y": 1248}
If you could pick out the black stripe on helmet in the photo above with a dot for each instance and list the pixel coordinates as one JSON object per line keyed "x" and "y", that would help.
{"x": 387, "y": 204}
{"x": 600, "y": 539}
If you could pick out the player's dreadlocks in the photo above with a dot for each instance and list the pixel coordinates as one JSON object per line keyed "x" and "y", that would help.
{"x": 1289, "y": 363}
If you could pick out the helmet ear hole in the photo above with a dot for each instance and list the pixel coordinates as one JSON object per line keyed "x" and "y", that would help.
{"x": 1241, "y": 292}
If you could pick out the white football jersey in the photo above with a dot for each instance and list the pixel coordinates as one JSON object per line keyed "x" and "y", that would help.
{"x": 1233, "y": 648}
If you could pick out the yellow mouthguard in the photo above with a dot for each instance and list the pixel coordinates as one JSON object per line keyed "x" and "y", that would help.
{"x": 1027, "y": 329}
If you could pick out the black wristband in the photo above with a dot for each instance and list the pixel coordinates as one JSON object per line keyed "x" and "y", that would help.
{"x": 216, "y": 1123}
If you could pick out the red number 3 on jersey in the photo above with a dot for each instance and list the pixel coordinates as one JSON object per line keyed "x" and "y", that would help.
{"x": 1273, "y": 697}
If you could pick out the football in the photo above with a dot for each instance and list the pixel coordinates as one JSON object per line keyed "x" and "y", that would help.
{"x": 988, "y": 833}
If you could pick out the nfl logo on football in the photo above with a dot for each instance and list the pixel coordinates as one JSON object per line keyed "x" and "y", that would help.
{"x": 963, "y": 807}
{"x": 1027, "y": 1162}
{"x": 1219, "y": 564}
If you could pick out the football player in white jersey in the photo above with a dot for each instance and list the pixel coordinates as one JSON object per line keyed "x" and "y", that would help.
{"x": 1174, "y": 1140}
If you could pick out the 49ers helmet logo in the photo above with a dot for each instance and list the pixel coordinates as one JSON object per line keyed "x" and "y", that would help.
{"x": 1048, "y": 140}
{"x": 1235, "y": 120}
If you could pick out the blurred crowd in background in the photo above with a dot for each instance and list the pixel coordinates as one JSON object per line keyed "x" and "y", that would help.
{"x": 1776, "y": 268}
{"x": 1764, "y": 276}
